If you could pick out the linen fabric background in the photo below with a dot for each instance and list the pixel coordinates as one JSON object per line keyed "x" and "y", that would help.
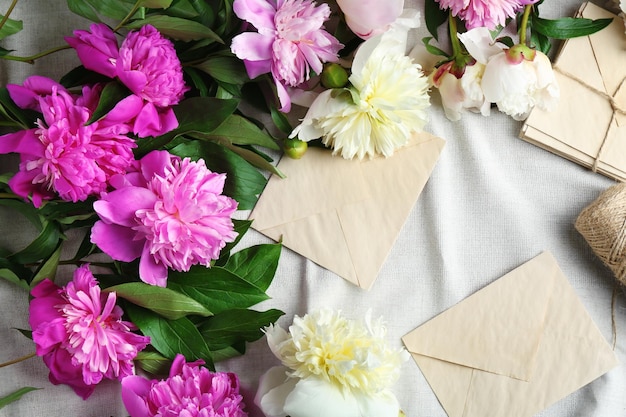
{"x": 492, "y": 203}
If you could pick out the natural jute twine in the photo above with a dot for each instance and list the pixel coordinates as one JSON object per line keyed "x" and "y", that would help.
{"x": 603, "y": 225}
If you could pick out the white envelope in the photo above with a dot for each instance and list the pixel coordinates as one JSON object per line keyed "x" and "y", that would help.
{"x": 512, "y": 348}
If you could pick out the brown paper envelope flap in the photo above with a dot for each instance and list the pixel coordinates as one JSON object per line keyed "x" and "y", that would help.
{"x": 609, "y": 47}
{"x": 497, "y": 329}
{"x": 317, "y": 183}
{"x": 351, "y": 237}
{"x": 325, "y": 243}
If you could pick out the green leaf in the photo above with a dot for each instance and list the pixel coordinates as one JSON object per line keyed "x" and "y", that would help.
{"x": 155, "y": 4}
{"x": 26, "y": 118}
{"x": 182, "y": 8}
{"x": 4, "y": 51}
{"x": 40, "y": 248}
{"x": 540, "y": 42}
{"x": 164, "y": 301}
{"x": 255, "y": 159}
{"x": 10, "y": 27}
{"x": 177, "y": 28}
{"x": 216, "y": 288}
{"x": 82, "y": 8}
{"x": 433, "y": 49}
{"x": 153, "y": 362}
{"x": 171, "y": 337}
{"x": 16, "y": 395}
{"x": 26, "y": 333}
{"x": 243, "y": 182}
{"x": 196, "y": 114}
{"x": 434, "y": 17}
{"x": 111, "y": 95}
{"x": 256, "y": 264}
{"x": 114, "y": 9}
{"x": 234, "y": 326}
{"x": 241, "y": 131}
{"x": 207, "y": 15}
{"x": 48, "y": 269}
{"x": 229, "y": 352}
{"x": 281, "y": 121}
{"x": 15, "y": 273}
{"x": 568, "y": 27}
{"x": 226, "y": 68}
{"x": 197, "y": 80}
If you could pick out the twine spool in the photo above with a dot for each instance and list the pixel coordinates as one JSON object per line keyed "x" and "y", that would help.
{"x": 603, "y": 225}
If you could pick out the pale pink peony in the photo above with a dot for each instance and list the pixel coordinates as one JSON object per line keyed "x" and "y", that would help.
{"x": 290, "y": 42}
{"x": 461, "y": 90}
{"x": 190, "y": 391}
{"x": 170, "y": 213}
{"x": 63, "y": 155}
{"x": 367, "y": 18}
{"x": 79, "y": 332}
{"x": 484, "y": 13}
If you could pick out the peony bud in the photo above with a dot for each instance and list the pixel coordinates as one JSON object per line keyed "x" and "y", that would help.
{"x": 295, "y": 148}
{"x": 334, "y": 76}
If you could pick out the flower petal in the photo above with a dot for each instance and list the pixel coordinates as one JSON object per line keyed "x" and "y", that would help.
{"x": 274, "y": 387}
{"x": 135, "y": 389}
{"x": 151, "y": 272}
{"x": 252, "y": 46}
{"x": 314, "y": 397}
{"x": 23, "y": 141}
{"x": 258, "y": 12}
{"x": 116, "y": 241}
{"x": 119, "y": 206}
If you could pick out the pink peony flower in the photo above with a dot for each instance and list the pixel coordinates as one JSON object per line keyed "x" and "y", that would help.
{"x": 484, "y": 13}
{"x": 97, "y": 48}
{"x": 367, "y": 18}
{"x": 170, "y": 213}
{"x": 149, "y": 67}
{"x": 146, "y": 63}
{"x": 80, "y": 333}
{"x": 290, "y": 42}
{"x": 63, "y": 155}
{"x": 190, "y": 391}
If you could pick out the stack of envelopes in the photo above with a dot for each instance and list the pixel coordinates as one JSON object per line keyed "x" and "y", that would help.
{"x": 589, "y": 123}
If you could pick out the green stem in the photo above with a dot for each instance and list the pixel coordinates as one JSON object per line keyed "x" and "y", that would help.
{"x": 524, "y": 24}
{"x": 128, "y": 16}
{"x": 23, "y": 358}
{"x": 8, "y": 13}
{"x": 31, "y": 59}
{"x": 454, "y": 38}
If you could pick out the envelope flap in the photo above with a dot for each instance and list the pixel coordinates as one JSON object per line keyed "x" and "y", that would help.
{"x": 317, "y": 183}
{"x": 608, "y": 46}
{"x": 499, "y": 328}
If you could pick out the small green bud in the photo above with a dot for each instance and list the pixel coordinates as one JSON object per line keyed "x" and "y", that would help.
{"x": 334, "y": 76}
{"x": 295, "y": 148}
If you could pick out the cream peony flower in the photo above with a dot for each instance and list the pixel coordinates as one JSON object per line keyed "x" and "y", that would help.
{"x": 385, "y": 103}
{"x": 515, "y": 79}
{"x": 332, "y": 367}
{"x": 461, "y": 94}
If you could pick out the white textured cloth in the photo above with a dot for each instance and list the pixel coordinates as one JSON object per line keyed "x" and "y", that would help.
{"x": 493, "y": 202}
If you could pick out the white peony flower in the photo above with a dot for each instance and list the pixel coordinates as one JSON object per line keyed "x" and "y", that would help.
{"x": 515, "y": 79}
{"x": 460, "y": 94}
{"x": 384, "y": 105}
{"x": 332, "y": 367}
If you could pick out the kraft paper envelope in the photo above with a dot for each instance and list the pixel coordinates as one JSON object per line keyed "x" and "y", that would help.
{"x": 514, "y": 347}
{"x": 343, "y": 214}
{"x": 589, "y": 124}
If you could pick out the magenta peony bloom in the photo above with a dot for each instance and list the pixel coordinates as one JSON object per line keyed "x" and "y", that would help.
{"x": 146, "y": 63}
{"x": 170, "y": 213}
{"x": 97, "y": 48}
{"x": 484, "y": 13}
{"x": 80, "y": 334}
{"x": 149, "y": 67}
{"x": 190, "y": 391}
{"x": 290, "y": 42}
{"x": 63, "y": 155}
